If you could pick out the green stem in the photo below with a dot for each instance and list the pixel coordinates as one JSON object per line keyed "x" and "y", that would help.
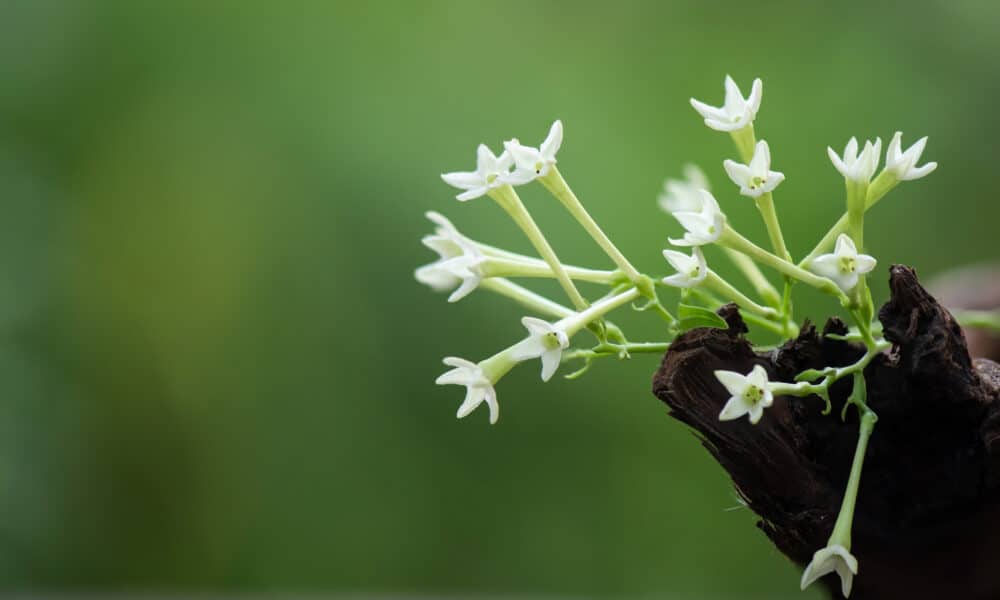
{"x": 981, "y": 319}
{"x": 881, "y": 186}
{"x": 842, "y": 529}
{"x": 574, "y": 323}
{"x": 731, "y": 239}
{"x": 765, "y": 204}
{"x": 726, "y": 290}
{"x": 500, "y": 267}
{"x": 526, "y": 298}
{"x": 508, "y": 199}
{"x": 745, "y": 141}
{"x": 755, "y": 276}
{"x": 555, "y": 183}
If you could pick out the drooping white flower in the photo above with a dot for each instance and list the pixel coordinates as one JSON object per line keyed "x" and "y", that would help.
{"x": 844, "y": 265}
{"x": 489, "y": 172}
{"x": 827, "y": 560}
{"x": 903, "y": 164}
{"x": 691, "y": 270}
{"x": 545, "y": 341}
{"x": 756, "y": 178}
{"x": 458, "y": 265}
{"x": 681, "y": 195}
{"x": 702, "y": 227}
{"x": 531, "y": 163}
{"x": 479, "y": 388}
{"x": 751, "y": 394}
{"x": 736, "y": 112}
{"x": 854, "y": 166}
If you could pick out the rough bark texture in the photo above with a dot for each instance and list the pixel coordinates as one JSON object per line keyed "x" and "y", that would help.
{"x": 927, "y": 523}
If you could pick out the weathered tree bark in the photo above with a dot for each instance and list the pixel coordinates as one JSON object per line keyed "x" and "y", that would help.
{"x": 927, "y": 522}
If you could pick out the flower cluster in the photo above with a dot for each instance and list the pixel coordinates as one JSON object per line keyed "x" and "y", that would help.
{"x": 836, "y": 266}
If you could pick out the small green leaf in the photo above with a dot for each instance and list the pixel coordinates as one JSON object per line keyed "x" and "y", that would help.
{"x": 691, "y": 317}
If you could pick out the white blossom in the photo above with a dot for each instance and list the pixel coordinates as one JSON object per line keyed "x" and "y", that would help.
{"x": 489, "y": 173}
{"x": 546, "y": 341}
{"x": 750, "y": 394}
{"x": 844, "y": 265}
{"x": 479, "y": 388}
{"x": 756, "y": 178}
{"x": 691, "y": 270}
{"x": 458, "y": 265}
{"x": 702, "y": 227}
{"x": 531, "y": 163}
{"x": 904, "y": 164}
{"x": 681, "y": 195}
{"x": 827, "y": 560}
{"x": 736, "y": 112}
{"x": 854, "y": 166}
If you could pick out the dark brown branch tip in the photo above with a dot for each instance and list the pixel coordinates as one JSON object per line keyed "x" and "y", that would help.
{"x": 928, "y": 513}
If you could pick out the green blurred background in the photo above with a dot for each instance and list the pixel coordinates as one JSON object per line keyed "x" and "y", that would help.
{"x": 217, "y": 369}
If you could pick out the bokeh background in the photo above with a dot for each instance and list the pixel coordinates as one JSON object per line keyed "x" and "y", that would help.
{"x": 217, "y": 370}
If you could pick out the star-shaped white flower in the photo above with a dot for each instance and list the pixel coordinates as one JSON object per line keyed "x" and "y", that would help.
{"x": 854, "y": 166}
{"x": 545, "y": 341}
{"x": 490, "y": 169}
{"x": 751, "y": 394}
{"x": 531, "y": 163}
{"x": 681, "y": 195}
{"x": 844, "y": 265}
{"x": 736, "y": 112}
{"x": 756, "y": 178}
{"x": 458, "y": 266}
{"x": 479, "y": 388}
{"x": 691, "y": 270}
{"x": 827, "y": 560}
{"x": 904, "y": 164}
{"x": 702, "y": 227}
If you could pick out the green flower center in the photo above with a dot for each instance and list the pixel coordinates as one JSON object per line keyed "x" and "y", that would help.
{"x": 550, "y": 340}
{"x": 756, "y": 181}
{"x": 848, "y": 264}
{"x": 492, "y": 177}
{"x": 538, "y": 167}
{"x": 753, "y": 394}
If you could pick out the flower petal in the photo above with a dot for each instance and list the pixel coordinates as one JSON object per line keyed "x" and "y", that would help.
{"x": 462, "y": 180}
{"x": 735, "y": 383}
{"x": 756, "y": 94}
{"x": 864, "y": 263}
{"x": 734, "y": 409}
{"x": 826, "y": 265}
{"x": 738, "y": 173}
{"x": 553, "y": 141}
{"x": 845, "y": 246}
{"x": 760, "y": 164}
{"x": 550, "y": 362}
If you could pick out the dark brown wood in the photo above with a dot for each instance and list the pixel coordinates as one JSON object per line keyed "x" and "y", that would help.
{"x": 927, "y": 523}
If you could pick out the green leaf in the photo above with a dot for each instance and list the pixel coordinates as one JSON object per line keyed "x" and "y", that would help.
{"x": 692, "y": 317}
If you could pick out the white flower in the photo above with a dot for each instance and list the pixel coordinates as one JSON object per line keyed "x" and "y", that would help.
{"x": 737, "y": 112}
{"x": 904, "y": 164}
{"x": 479, "y": 388}
{"x": 830, "y": 559}
{"x": 458, "y": 266}
{"x": 489, "y": 172}
{"x": 691, "y": 270}
{"x": 534, "y": 162}
{"x": 853, "y": 166}
{"x": 545, "y": 341}
{"x": 844, "y": 265}
{"x": 756, "y": 178}
{"x": 681, "y": 195}
{"x": 703, "y": 227}
{"x": 751, "y": 394}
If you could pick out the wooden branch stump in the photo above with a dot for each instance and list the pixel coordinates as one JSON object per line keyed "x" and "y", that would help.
{"x": 927, "y": 522}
